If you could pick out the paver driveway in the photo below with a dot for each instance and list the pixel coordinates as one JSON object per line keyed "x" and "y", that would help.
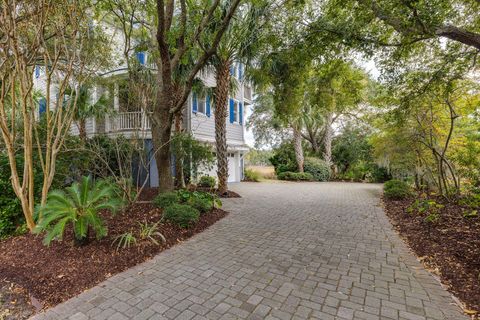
{"x": 286, "y": 251}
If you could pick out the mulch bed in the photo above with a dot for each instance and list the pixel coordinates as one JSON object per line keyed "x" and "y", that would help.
{"x": 15, "y": 302}
{"x": 449, "y": 247}
{"x": 56, "y": 273}
{"x": 150, "y": 193}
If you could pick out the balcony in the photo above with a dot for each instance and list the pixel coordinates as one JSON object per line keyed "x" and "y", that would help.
{"x": 134, "y": 121}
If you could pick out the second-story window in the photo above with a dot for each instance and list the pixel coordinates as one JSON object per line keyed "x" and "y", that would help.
{"x": 202, "y": 101}
{"x": 199, "y": 104}
{"x": 235, "y": 111}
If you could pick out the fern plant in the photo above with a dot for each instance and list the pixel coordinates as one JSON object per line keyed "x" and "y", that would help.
{"x": 79, "y": 205}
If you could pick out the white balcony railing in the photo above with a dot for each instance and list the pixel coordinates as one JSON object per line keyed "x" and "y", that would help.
{"x": 128, "y": 121}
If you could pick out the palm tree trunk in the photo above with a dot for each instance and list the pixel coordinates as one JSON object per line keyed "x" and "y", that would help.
{"x": 221, "y": 102}
{"x": 297, "y": 145}
{"x": 82, "y": 130}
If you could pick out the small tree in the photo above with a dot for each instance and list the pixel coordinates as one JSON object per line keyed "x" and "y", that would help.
{"x": 47, "y": 41}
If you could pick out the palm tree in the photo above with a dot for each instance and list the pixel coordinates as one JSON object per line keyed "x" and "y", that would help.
{"x": 79, "y": 206}
{"x": 87, "y": 109}
{"x": 240, "y": 44}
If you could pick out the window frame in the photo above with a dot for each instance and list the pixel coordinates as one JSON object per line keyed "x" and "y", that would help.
{"x": 236, "y": 109}
{"x": 201, "y": 104}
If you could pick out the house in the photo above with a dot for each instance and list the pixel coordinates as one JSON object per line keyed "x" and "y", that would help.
{"x": 199, "y": 118}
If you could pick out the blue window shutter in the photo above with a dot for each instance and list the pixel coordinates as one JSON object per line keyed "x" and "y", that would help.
{"x": 141, "y": 57}
{"x": 37, "y": 71}
{"x": 232, "y": 115}
{"x": 207, "y": 99}
{"x": 42, "y": 106}
{"x": 231, "y": 70}
{"x": 194, "y": 103}
{"x": 240, "y": 113}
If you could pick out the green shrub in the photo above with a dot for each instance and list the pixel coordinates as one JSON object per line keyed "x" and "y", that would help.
{"x": 79, "y": 205}
{"x": 203, "y": 201}
{"x": 295, "y": 176}
{"x": 251, "y": 175}
{"x": 207, "y": 182}
{"x": 11, "y": 214}
{"x": 283, "y": 159}
{"x": 318, "y": 168}
{"x": 396, "y": 189}
{"x": 181, "y": 214}
{"x": 201, "y": 204}
{"x": 166, "y": 199}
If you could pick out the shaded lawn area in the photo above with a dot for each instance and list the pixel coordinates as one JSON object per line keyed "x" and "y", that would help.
{"x": 56, "y": 273}
{"x": 449, "y": 247}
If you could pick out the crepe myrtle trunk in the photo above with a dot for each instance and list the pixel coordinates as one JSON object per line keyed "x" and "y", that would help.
{"x": 220, "y": 111}
{"x": 297, "y": 146}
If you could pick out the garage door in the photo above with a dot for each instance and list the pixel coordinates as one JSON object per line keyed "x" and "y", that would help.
{"x": 232, "y": 177}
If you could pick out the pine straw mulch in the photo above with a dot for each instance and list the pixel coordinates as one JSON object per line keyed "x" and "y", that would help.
{"x": 54, "y": 274}
{"x": 449, "y": 247}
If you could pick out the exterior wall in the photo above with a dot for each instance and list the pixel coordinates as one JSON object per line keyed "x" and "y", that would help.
{"x": 203, "y": 126}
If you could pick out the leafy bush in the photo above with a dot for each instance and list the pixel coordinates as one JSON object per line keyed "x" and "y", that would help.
{"x": 318, "y": 168}
{"x": 379, "y": 174}
{"x": 396, "y": 189}
{"x": 207, "y": 182}
{"x": 166, "y": 199}
{"x": 251, "y": 175}
{"x": 193, "y": 155}
{"x": 181, "y": 214}
{"x": 295, "y": 176}
{"x": 11, "y": 214}
{"x": 201, "y": 204}
{"x": 79, "y": 205}
{"x": 283, "y": 159}
{"x": 203, "y": 201}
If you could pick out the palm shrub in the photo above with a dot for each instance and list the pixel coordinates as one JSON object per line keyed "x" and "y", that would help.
{"x": 79, "y": 205}
{"x": 181, "y": 214}
{"x": 396, "y": 189}
{"x": 318, "y": 168}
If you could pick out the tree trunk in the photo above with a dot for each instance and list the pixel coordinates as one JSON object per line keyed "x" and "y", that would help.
{"x": 327, "y": 139}
{"x": 161, "y": 122}
{"x": 297, "y": 145}
{"x": 179, "y": 176}
{"x": 221, "y": 103}
{"x": 82, "y": 130}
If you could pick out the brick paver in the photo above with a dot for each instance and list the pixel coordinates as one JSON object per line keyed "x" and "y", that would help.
{"x": 285, "y": 251}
